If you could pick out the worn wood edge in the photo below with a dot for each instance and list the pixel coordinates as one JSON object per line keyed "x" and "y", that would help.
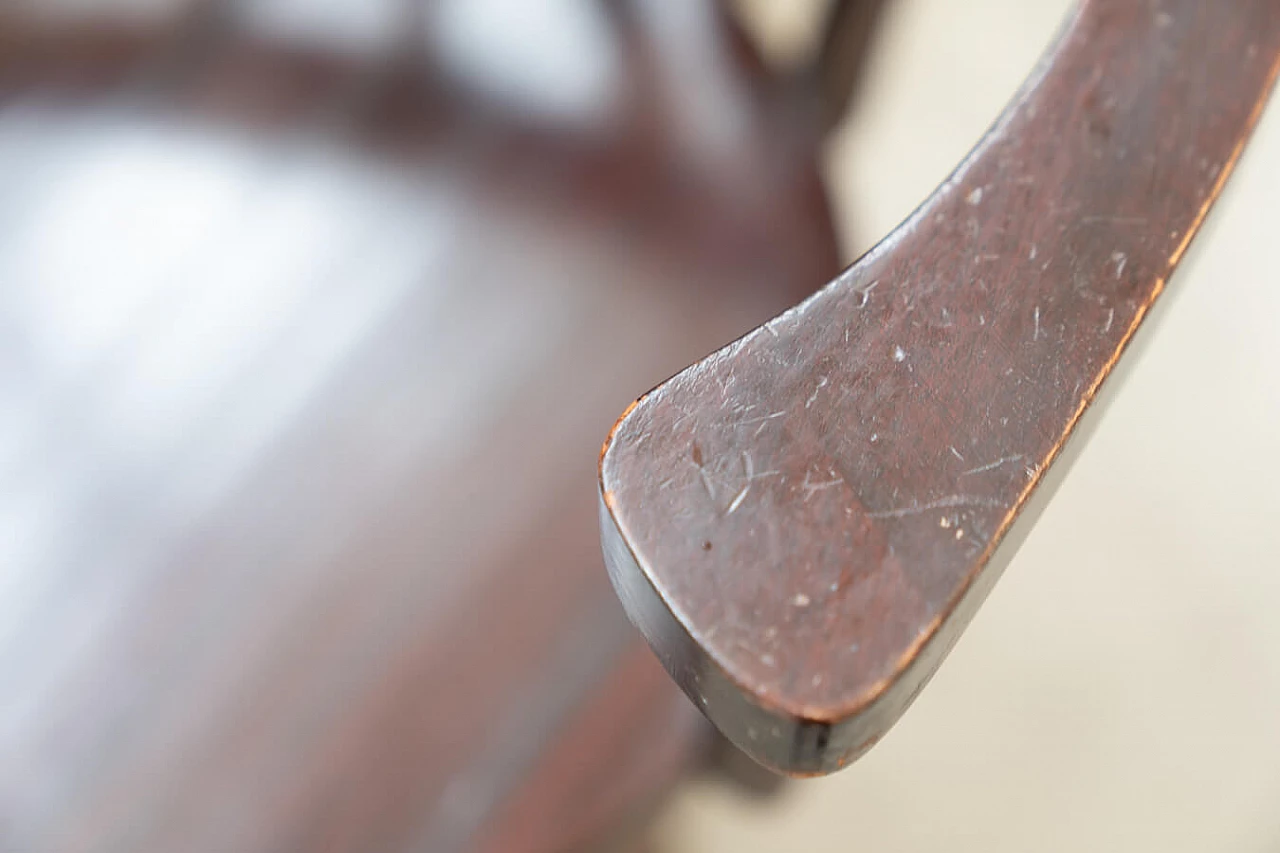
{"x": 794, "y": 741}
{"x": 807, "y": 741}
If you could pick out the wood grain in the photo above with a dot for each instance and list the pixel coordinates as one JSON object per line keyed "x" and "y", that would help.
{"x": 803, "y": 522}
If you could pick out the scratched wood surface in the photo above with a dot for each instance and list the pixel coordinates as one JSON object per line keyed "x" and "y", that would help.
{"x": 309, "y": 333}
{"x": 803, "y": 522}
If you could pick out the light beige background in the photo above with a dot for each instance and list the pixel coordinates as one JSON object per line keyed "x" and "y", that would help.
{"x": 1121, "y": 688}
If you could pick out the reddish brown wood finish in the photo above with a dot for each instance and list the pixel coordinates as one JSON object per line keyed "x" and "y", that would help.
{"x": 305, "y": 345}
{"x": 803, "y": 522}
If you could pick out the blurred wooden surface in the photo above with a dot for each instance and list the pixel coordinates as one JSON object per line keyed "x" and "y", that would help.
{"x": 313, "y": 316}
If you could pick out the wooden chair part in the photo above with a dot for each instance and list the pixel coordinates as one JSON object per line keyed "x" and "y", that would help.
{"x": 305, "y": 336}
{"x": 803, "y": 522}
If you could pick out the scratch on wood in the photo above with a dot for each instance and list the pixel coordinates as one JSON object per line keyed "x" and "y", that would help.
{"x": 1111, "y": 316}
{"x": 810, "y": 487}
{"x": 864, "y": 294}
{"x": 822, "y": 383}
{"x": 706, "y": 483}
{"x": 749, "y": 471}
{"x": 956, "y": 453}
{"x": 1119, "y": 259}
{"x": 1035, "y": 336}
{"x": 1113, "y": 220}
{"x": 749, "y": 421}
{"x": 738, "y": 499}
{"x": 702, "y": 473}
{"x": 991, "y": 466}
{"x": 941, "y": 503}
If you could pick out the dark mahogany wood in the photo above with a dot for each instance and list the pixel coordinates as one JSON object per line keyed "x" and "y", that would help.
{"x": 311, "y": 315}
{"x": 803, "y": 522}
{"x": 851, "y": 26}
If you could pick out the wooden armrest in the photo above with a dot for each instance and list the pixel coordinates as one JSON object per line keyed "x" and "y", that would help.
{"x": 803, "y": 522}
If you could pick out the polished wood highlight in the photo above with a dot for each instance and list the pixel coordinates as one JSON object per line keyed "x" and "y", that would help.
{"x": 803, "y": 522}
{"x": 313, "y": 314}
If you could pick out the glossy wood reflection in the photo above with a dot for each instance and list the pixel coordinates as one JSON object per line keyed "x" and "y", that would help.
{"x": 803, "y": 522}
{"x": 313, "y": 315}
